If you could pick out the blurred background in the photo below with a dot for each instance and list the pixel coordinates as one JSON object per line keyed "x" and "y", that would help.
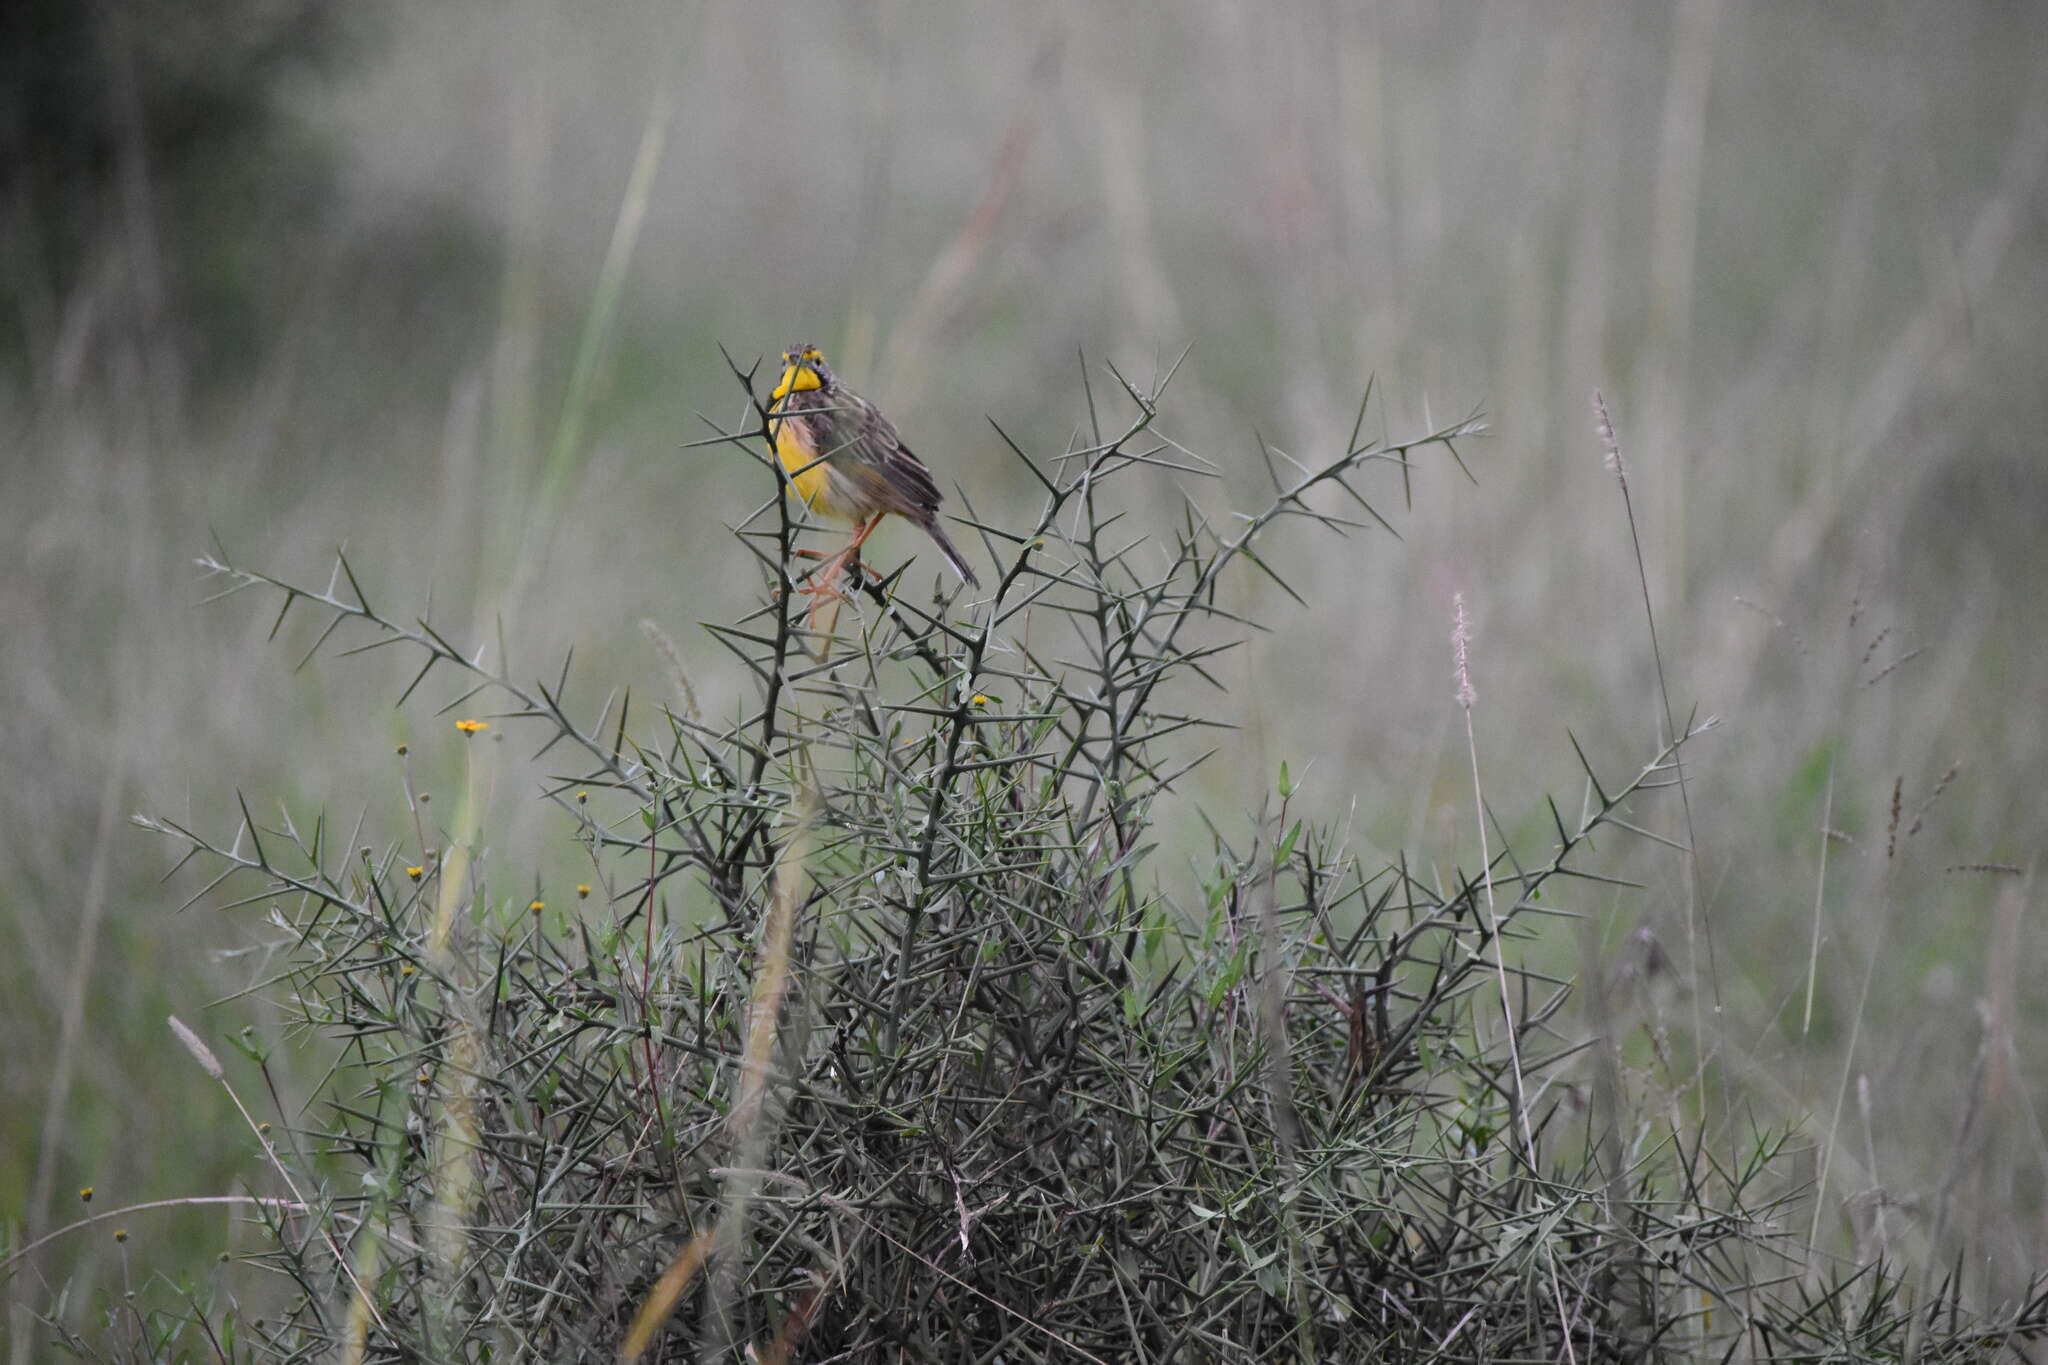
{"x": 447, "y": 285}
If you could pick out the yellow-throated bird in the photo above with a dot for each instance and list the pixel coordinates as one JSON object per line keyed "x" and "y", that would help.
{"x": 846, "y": 461}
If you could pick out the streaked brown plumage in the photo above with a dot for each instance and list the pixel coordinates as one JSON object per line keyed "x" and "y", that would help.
{"x": 847, "y": 461}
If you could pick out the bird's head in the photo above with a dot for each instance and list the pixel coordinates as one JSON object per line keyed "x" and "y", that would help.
{"x": 803, "y": 367}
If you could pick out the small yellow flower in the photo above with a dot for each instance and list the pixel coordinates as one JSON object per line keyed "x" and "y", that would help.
{"x": 120, "y": 1234}
{"x": 538, "y": 906}
{"x": 85, "y": 1195}
{"x": 980, "y": 700}
{"x": 582, "y": 797}
{"x": 582, "y": 891}
{"x": 425, "y": 1076}
{"x": 470, "y": 727}
{"x": 415, "y": 872}
{"x": 407, "y": 970}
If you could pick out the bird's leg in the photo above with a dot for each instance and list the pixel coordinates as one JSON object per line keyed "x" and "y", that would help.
{"x": 823, "y": 586}
{"x": 828, "y": 572}
{"x": 852, "y": 551}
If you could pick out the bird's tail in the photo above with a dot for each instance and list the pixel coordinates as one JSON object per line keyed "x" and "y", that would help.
{"x": 952, "y": 553}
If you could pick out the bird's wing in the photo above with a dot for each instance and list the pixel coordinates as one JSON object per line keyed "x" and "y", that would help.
{"x": 902, "y": 483}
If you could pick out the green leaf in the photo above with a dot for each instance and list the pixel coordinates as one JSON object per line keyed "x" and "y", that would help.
{"x": 1233, "y": 972}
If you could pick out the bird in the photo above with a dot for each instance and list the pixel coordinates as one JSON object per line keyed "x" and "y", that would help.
{"x": 846, "y": 461}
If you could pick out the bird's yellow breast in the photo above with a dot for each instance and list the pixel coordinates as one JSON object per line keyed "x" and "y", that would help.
{"x": 797, "y": 447}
